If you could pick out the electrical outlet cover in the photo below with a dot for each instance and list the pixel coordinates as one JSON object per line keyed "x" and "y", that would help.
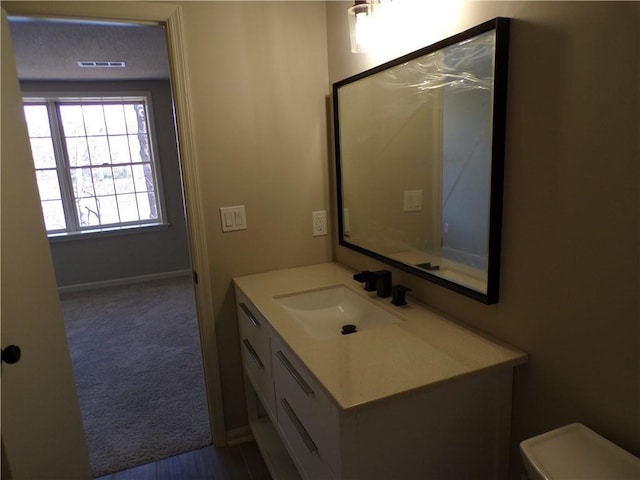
{"x": 319, "y": 223}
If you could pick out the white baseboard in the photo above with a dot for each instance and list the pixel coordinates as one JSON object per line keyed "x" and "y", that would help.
{"x": 239, "y": 435}
{"x": 122, "y": 281}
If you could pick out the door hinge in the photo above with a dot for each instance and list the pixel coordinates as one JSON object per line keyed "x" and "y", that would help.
{"x": 195, "y": 277}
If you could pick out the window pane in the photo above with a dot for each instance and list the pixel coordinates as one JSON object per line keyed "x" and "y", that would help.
{"x": 143, "y": 177}
{"x": 116, "y": 123}
{"x": 53, "y": 214}
{"x": 82, "y": 182}
{"x": 103, "y": 181}
{"x": 99, "y": 150}
{"x": 131, "y": 116}
{"x": 128, "y": 208}
{"x": 72, "y": 121}
{"x": 48, "y": 185}
{"x": 88, "y": 212}
{"x": 94, "y": 120}
{"x": 147, "y": 206}
{"x": 123, "y": 177}
{"x": 78, "y": 151}
{"x": 42, "y": 151}
{"x": 139, "y": 148}
{"x": 136, "y": 118}
{"x": 37, "y": 117}
{"x": 119, "y": 149}
{"x": 108, "y": 210}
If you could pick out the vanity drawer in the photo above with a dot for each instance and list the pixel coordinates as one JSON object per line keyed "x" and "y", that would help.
{"x": 313, "y": 408}
{"x": 302, "y": 447}
{"x": 254, "y": 328}
{"x": 256, "y": 350}
{"x": 255, "y": 370}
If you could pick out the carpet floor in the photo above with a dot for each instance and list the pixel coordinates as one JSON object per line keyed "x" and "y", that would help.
{"x": 138, "y": 368}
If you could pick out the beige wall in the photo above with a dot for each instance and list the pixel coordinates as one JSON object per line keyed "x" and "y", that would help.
{"x": 259, "y": 83}
{"x": 569, "y": 290}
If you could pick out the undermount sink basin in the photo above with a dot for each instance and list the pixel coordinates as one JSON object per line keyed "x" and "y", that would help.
{"x": 324, "y": 312}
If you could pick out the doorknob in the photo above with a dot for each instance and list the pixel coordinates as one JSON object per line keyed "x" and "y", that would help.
{"x": 11, "y": 354}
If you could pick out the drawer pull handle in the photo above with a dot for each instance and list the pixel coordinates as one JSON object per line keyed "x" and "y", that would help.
{"x": 306, "y": 438}
{"x": 253, "y": 319}
{"x": 294, "y": 373}
{"x": 253, "y": 353}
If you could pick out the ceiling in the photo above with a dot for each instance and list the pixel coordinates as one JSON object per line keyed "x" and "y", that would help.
{"x": 47, "y": 49}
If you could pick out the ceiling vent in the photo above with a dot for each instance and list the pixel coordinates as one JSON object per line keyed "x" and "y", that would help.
{"x": 100, "y": 64}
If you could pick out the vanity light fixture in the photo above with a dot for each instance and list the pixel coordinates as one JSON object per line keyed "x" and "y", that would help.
{"x": 361, "y": 17}
{"x": 368, "y": 21}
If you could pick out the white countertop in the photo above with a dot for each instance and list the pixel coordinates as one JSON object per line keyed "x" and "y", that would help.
{"x": 423, "y": 350}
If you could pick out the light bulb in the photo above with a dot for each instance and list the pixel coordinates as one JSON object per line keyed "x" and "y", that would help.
{"x": 360, "y": 26}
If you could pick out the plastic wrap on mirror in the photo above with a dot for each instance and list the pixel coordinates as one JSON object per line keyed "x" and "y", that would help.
{"x": 415, "y": 140}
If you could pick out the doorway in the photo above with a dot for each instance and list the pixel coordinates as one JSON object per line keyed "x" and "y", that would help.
{"x": 94, "y": 250}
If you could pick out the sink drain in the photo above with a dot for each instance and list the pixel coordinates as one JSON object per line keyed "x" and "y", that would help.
{"x": 347, "y": 329}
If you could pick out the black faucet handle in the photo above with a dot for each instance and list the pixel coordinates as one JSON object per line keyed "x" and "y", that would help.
{"x": 398, "y": 295}
{"x": 368, "y": 278}
{"x": 383, "y": 283}
{"x": 362, "y": 276}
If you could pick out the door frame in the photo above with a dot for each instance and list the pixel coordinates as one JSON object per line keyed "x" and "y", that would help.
{"x": 171, "y": 16}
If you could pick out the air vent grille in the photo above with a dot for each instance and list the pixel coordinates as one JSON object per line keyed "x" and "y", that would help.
{"x": 100, "y": 64}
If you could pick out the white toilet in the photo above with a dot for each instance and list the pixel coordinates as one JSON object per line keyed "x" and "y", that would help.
{"x": 575, "y": 452}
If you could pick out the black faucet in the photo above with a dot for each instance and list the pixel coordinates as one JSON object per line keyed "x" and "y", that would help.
{"x": 379, "y": 281}
{"x": 368, "y": 278}
{"x": 383, "y": 283}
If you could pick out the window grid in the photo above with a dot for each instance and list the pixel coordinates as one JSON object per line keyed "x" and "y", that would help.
{"x": 104, "y": 162}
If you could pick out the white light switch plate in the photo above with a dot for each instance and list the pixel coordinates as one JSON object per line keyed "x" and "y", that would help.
{"x": 233, "y": 218}
{"x": 413, "y": 200}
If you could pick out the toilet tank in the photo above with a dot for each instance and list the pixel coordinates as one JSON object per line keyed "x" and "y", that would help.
{"x": 576, "y": 452}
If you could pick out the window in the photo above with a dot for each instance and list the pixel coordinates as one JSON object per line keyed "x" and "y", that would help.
{"x": 94, "y": 161}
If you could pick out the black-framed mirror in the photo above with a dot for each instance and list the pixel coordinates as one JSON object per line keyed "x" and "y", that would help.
{"x": 420, "y": 155}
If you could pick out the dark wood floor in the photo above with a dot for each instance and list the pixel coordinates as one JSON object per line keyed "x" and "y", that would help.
{"x": 243, "y": 462}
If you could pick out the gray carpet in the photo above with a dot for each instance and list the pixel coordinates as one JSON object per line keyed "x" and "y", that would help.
{"x": 138, "y": 368}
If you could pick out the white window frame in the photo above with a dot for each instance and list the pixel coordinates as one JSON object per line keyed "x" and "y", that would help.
{"x": 73, "y": 228}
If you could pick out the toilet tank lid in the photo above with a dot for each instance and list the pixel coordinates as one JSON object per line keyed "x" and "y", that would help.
{"x": 575, "y": 451}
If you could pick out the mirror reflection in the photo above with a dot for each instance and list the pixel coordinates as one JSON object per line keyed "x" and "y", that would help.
{"x": 418, "y": 148}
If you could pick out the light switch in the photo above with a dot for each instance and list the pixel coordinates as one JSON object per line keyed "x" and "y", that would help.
{"x": 228, "y": 219}
{"x": 413, "y": 200}
{"x": 233, "y": 218}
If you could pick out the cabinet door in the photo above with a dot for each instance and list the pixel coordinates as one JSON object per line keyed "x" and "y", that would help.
{"x": 306, "y": 415}
{"x": 255, "y": 334}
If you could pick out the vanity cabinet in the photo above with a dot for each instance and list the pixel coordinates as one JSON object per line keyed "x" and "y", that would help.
{"x": 291, "y": 418}
{"x": 454, "y": 429}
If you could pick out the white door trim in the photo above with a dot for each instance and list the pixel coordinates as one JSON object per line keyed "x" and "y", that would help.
{"x": 171, "y": 16}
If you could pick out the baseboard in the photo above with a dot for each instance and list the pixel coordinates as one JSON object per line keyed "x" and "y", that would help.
{"x": 239, "y": 435}
{"x": 122, "y": 281}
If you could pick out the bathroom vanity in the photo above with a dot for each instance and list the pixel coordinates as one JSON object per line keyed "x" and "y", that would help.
{"x": 410, "y": 394}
